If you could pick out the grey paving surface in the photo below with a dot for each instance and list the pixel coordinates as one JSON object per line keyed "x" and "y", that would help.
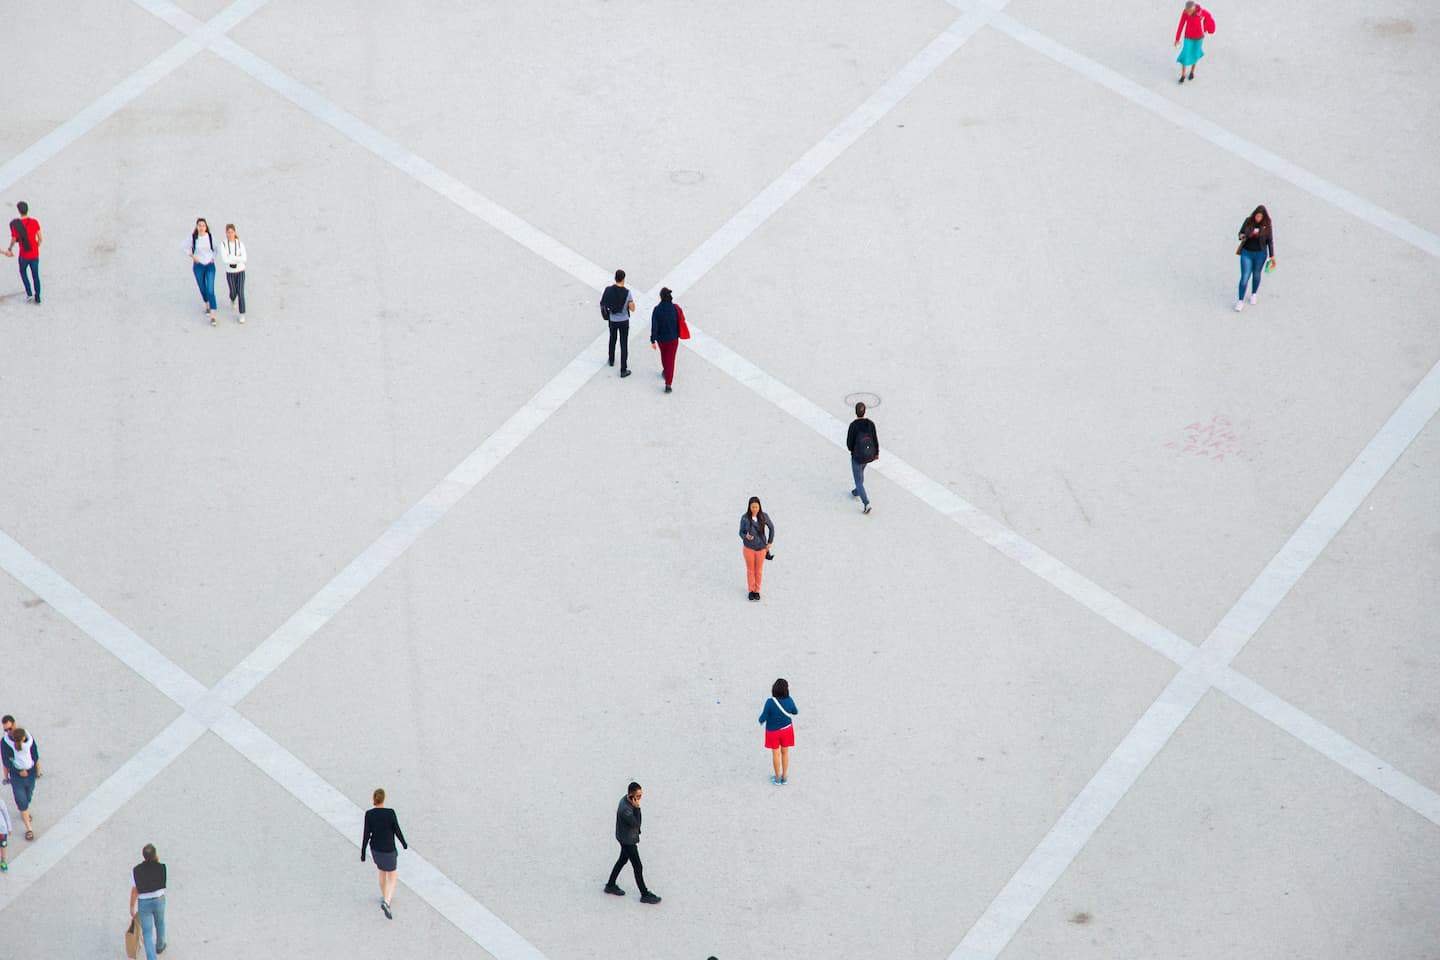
{"x": 1034, "y": 274}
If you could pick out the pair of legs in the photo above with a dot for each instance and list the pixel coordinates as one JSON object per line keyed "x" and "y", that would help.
{"x": 620, "y": 329}
{"x": 1190, "y": 55}
{"x": 388, "y": 880}
{"x": 152, "y": 925}
{"x": 205, "y": 280}
{"x": 236, "y": 283}
{"x": 667, "y": 360}
{"x": 857, "y": 470}
{"x": 23, "y": 789}
{"x": 33, "y": 268}
{"x": 754, "y": 568}
{"x": 630, "y": 853}
{"x": 1252, "y": 264}
{"x": 780, "y": 759}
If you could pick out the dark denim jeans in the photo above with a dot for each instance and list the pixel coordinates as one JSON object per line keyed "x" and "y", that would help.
{"x": 34, "y": 267}
{"x": 205, "y": 280}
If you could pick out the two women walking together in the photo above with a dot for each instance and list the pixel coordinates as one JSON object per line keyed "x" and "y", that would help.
{"x": 230, "y": 254}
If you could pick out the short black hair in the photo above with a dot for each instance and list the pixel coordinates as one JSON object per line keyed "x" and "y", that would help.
{"x": 630, "y": 791}
{"x": 665, "y": 294}
{"x": 7, "y": 719}
{"x": 781, "y": 689}
{"x": 23, "y": 207}
{"x": 619, "y": 276}
{"x": 860, "y": 409}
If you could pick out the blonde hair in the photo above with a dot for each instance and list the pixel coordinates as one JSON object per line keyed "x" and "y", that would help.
{"x": 379, "y": 795}
{"x": 231, "y": 226}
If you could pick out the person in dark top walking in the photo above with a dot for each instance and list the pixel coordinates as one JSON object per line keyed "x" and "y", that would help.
{"x": 1257, "y": 253}
{"x": 627, "y": 832}
{"x": 25, "y": 233}
{"x": 382, "y": 829}
{"x": 754, "y": 526}
{"x": 147, "y": 900}
{"x": 864, "y": 445}
{"x": 778, "y": 717}
{"x": 20, "y": 757}
{"x": 616, "y": 306}
{"x": 665, "y": 333}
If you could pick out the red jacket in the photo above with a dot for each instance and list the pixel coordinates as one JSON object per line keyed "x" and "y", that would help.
{"x": 1195, "y": 25}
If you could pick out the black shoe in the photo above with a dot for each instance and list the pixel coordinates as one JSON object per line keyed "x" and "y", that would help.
{"x": 752, "y": 595}
{"x": 668, "y": 390}
{"x": 624, "y": 373}
{"x": 614, "y": 890}
{"x": 757, "y": 596}
{"x": 1182, "y": 78}
{"x": 1191, "y": 78}
{"x": 161, "y": 948}
{"x": 867, "y": 508}
{"x": 386, "y": 908}
{"x": 612, "y": 361}
{"x": 648, "y": 897}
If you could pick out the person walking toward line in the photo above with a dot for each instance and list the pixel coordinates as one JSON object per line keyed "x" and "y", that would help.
{"x": 665, "y": 333}
{"x": 202, "y": 261}
{"x": 778, "y": 717}
{"x": 1256, "y": 251}
{"x": 21, "y": 759}
{"x": 754, "y": 525}
{"x": 627, "y": 832}
{"x": 147, "y": 900}
{"x": 234, "y": 251}
{"x": 382, "y": 829}
{"x": 616, "y": 306}
{"x": 1195, "y": 22}
{"x": 25, "y": 234}
{"x": 864, "y": 445}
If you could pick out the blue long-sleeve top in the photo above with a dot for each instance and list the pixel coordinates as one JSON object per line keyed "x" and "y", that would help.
{"x": 664, "y": 323}
{"x": 756, "y": 533}
{"x": 776, "y": 718}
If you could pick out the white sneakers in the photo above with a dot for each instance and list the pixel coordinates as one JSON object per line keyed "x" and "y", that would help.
{"x": 1239, "y": 305}
{"x": 1252, "y": 297}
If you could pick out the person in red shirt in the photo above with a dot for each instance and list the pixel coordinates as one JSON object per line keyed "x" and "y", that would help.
{"x": 25, "y": 233}
{"x": 1195, "y": 22}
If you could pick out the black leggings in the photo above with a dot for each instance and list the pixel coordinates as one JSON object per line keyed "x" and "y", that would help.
{"x": 630, "y": 852}
{"x": 621, "y": 327}
{"x": 236, "y": 283}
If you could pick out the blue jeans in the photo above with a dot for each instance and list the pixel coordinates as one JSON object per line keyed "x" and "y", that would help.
{"x": 34, "y": 267}
{"x": 152, "y": 922}
{"x": 23, "y": 788}
{"x": 857, "y": 470}
{"x": 1252, "y": 264}
{"x": 205, "y": 280}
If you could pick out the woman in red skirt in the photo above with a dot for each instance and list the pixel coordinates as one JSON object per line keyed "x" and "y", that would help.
{"x": 778, "y": 717}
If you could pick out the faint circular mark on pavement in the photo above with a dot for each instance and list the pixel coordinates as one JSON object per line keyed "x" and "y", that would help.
{"x": 686, "y": 178}
{"x": 871, "y": 400}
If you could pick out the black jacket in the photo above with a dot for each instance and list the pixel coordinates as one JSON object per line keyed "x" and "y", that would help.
{"x": 627, "y": 822}
{"x": 664, "y": 323}
{"x": 858, "y": 426}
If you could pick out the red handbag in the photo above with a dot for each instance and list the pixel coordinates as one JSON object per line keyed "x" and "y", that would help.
{"x": 684, "y": 327}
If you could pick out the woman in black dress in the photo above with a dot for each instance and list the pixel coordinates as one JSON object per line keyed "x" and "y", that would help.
{"x": 382, "y": 829}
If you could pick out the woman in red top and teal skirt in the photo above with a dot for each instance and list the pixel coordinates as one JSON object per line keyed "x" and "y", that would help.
{"x": 1195, "y": 22}
{"x": 779, "y": 719}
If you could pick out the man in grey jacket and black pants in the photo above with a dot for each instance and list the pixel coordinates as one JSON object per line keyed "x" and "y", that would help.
{"x": 627, "y": 831}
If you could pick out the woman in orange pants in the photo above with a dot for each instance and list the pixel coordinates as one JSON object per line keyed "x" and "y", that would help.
{"x": 754, "y": 526}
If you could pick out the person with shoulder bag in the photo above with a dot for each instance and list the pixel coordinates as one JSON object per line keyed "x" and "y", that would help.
{"x": 1256, "y": 252}
{"x": 147, "y": 900}
{"x": 754, "y": 526}
{"x": 864, "y": 445}
{"x": 616, "y": 306}
{"x": 779, "y": 719}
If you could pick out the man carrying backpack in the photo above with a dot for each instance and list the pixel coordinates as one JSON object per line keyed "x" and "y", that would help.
{"x": 616, "y": 305}
{"x": 864, "y": 447}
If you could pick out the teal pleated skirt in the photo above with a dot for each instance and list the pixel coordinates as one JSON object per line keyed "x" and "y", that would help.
{"x": 1190, "y": 52}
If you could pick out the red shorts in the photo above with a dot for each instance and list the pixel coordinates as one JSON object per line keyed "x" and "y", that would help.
{"x": 775, "y": 739}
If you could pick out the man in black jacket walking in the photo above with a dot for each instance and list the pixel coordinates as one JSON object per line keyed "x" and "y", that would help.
{"x": 627, "y": 832}
{"x": 864, "y": 445}
{"x": 616, "y": 306}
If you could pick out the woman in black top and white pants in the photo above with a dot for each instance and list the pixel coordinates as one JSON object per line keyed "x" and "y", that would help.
{"x": 382, "y": 829}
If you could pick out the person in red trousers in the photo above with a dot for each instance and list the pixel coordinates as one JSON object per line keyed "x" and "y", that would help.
{"x": 665, "y": 322}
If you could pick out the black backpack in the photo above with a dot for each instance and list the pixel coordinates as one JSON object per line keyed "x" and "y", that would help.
{"x": 866, "y": 447}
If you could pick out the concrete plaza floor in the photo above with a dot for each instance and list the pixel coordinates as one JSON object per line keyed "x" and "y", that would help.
{"x": 404, "y": 528}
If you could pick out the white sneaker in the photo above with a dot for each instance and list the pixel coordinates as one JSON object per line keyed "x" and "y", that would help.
{"x": 1239, "y": 305}
{"x": 1252, "y": 298}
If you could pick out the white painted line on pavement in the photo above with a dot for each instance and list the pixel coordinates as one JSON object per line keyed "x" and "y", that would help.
{"x": 1210, "y": 131}
{"x": 780, "y": 191}
{"x": 1009, "y": 911}
{"x": 124, "y": 92}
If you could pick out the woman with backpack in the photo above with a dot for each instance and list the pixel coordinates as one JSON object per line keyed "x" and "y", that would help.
{"x": 779, "y": 719}
{"x": 202, "y": 262}
{"x": 1256, "y": 252}
{"x": 1195, "y": 23}
{"x": 864, "y": 446}
{"x": 753, "y": 527}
